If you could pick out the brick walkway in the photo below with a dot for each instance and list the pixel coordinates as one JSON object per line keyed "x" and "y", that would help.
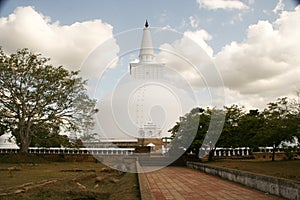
{"x": 189, "y": 184}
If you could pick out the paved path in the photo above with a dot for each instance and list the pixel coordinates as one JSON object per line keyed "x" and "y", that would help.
{"x": 189, "y": 184}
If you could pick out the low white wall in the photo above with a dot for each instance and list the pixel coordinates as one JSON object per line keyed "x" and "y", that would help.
{"x": 276, "y": 186}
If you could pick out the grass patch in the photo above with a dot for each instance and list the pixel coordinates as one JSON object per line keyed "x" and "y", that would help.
{"x": 65, "y": 180}
{"x": 282, "y": 169}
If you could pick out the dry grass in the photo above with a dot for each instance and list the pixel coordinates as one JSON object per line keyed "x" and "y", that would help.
{"x": 282, "y": 169}
{"x": 65, "y": 180}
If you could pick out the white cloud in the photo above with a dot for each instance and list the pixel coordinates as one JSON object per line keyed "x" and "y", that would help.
{"x": 191, "y": 58}
{"x": 192, "y": 46}
{"x": 267, "y": 63}
{"x": 263, "y": 67}
{"x": 249, "y": 101}
{"x": 66, "y": 45}
{"x": 222, "y": 4}
{"x": 200, "y": 37}
{"x": 193, "y": 22}
{"x": 279, "y": 7}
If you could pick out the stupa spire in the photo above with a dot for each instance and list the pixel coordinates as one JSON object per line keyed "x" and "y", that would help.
{"x": 146, "y": 51}
{"x": 146, "y": 24}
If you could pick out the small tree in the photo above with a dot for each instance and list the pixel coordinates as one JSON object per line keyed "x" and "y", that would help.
{"x": 36, "y": 95}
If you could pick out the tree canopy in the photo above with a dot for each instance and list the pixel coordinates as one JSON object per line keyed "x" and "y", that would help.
{"x": 190, "y": 131}
{"x": 35, "y": 96}
{"x": 277, "y": 123}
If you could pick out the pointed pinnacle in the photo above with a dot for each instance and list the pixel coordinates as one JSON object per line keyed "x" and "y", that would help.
{"x": 146, "y": 24}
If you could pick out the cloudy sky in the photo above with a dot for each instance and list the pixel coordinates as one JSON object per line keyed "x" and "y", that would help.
{"x": 254, "y": 44}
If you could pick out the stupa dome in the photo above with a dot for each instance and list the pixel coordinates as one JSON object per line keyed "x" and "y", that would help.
{"x": 138, "y": 104}
{"x": 8, "y": 141}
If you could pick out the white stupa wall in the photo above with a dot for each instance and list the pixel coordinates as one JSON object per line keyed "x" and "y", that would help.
{"x": 7, "y": 141}
{"x": 146, "y": 71}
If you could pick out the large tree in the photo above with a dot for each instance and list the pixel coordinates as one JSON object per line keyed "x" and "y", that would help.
{"x": 250, "y": 125}
{"x": 279, "y": 125}
{"x": 184, "y": 133}
{"x": 192, "y": 129}
{"x": 35, "y": 95}
{"x": 230, "y": 131}
{"x": 295, "y": 109}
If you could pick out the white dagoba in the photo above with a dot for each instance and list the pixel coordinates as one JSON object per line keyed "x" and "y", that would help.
{"x": 146, "y": 68}
{"x": 8, "y": 141}
{"x": 146, "y": 106}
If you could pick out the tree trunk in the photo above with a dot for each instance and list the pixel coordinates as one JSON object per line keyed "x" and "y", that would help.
{"x": 24, "y": 146}
{"x": 25, "y": 141}
{"x": 211, "y": 154}
{"x": 273, "y": 153}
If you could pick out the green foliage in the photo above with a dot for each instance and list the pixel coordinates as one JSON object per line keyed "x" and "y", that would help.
{"x": 193, "y": 125}
{"x": 229, "y": 136}
{"x": 277, "y": 123}
{"x": 289, "y": 152}
{"x": 250, "y": 125}
{"x": 36, "y": 96}
{"x": 46, "y": 137}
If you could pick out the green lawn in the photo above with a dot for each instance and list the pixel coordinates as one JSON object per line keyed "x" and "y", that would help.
{"x": 282, "y": 169}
